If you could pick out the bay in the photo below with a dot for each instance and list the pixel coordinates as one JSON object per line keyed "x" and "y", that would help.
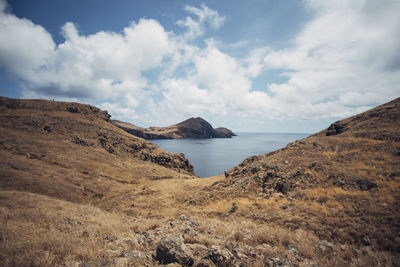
{"x": 212, "y": 157}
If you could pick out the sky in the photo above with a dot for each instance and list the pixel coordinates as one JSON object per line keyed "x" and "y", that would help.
{"x": 252, "y": 66}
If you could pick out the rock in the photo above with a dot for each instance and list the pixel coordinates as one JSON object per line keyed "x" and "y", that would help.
{"x": 80, "y": 141}
{"x": 234, "y": 208}
{"x": 356, "y": 252}
{"x": 220, "y": 257}
{"x": 275, "y": 262}
{"x": 243, "y": 251}
{"x": 183, "y": 217}
{"x": 204, "y": 263}
{"x": 336, "y": 128}
{"x": 224, "y": 132}
{"x": 254, "y": 170}
{"x": 140, "y": 239}
{"x": 131, "y": 254}
{"x": 294, "y": 248}
{"x": 110, "y": 238}
{"x": 48, "y": 128}
{"x": 324, "y": 246}
{"x": 366, "y": 241}
{"x": 366, "y": 185}
{"x": 172, "y": 249}
{"x": 198, "y": 249}
{"x": 282, "y": 187}
{"x": 72, "y": 109}
{"x": 246, "y": 231}
{"x": 120, "y": 261}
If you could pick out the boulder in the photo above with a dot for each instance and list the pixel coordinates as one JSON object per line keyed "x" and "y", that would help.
{"x": 366, "y": 185}
{"x": 172, "y": 249}
{"x": 336, "y": 128}
{"x": 220, "y": 256}
{"x": 233, "y": 208}
{"x": 282, "y": 187}
{"x": 73, "y": 109}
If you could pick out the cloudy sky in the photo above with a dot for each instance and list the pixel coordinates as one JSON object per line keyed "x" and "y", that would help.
{"x": 254, "y": 66}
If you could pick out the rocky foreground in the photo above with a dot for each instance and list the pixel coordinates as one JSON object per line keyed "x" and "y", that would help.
{"x": 190, "y": 128}
{"x": 75, "y": 190}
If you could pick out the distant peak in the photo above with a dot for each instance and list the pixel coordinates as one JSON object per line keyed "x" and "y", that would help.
{"x": 193, "y": 119}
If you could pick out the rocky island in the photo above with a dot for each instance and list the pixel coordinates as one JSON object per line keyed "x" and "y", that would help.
{"x": 75, "y": 190}
{"x": 190, "y": 128}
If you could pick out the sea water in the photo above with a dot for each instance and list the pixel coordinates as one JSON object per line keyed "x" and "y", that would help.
{"x": 212, "y": 157}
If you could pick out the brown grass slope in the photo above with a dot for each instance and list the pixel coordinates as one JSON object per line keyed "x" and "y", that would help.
{"x": 77, "y": 191}
{"x": 72, "y": 151}
{"x": 75, "y": 188}
{"x": 343, "y": 183}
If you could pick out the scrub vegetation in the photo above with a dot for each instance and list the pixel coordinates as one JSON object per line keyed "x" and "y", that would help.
{"x": 75, "y": 190}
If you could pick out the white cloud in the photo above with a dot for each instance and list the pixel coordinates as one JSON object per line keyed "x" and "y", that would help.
{"x": 205, "y": 16}
{"x": 3, "y": 5}
{"x": 188, "y": 97}
{"x": 344, "y": 60}
{"x": 24, "y": 47}
{"x": 218, "y": 84}
{"x": 255, "y": 61}
{"x": 103, "y": 65}
{"x": 118, "y": 111}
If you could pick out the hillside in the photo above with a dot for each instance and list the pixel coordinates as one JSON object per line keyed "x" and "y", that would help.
{"x": 342, "y": 184}
{"x": 75, "y": 190}
{"x": 190, "y": 128}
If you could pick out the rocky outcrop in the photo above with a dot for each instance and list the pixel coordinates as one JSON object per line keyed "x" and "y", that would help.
{"x": 354, "y": 162}
{"x": 79, "y": 139}
{"x": 171, "y": 250}
{"x": 68, "y": 174}
{"x": 190, "y": 128}
{"x": 220, "y": 256}
{"x": 224, "y": 132}
{"x": 335, "y": 128}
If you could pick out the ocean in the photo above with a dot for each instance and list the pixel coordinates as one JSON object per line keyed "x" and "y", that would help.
{"x": 212, "y": 157}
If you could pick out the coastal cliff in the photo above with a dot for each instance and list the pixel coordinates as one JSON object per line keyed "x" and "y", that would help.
{"x": 190, "y": 128}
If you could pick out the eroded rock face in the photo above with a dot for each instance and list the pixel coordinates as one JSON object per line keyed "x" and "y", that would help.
{"x": 336, "y": 128}
{"x": 172, "y": 249}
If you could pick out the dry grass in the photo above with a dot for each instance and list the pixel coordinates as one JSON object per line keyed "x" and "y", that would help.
{"x": 57, "y": 231}
{"x": 88, "y": 204}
